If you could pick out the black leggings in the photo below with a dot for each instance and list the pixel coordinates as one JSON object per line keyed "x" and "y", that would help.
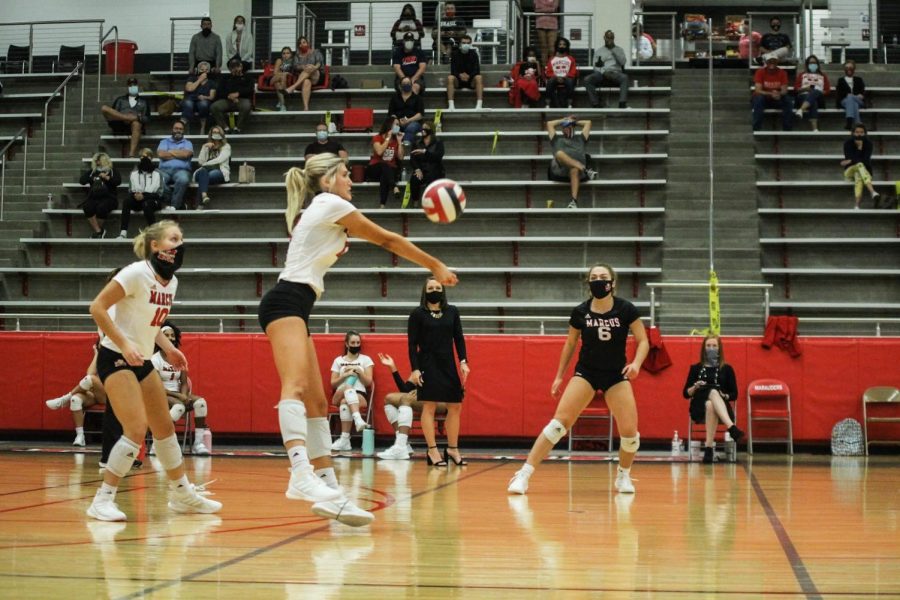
{"x": 416, "y": 186}
{"x": 149, "y": 205}
{"x": 99, "y": 206}
{"x": 386, "y": 175}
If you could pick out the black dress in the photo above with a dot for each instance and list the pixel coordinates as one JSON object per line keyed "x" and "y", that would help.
{"x": 431, "y": 336}
{"x": 716, "y": 378}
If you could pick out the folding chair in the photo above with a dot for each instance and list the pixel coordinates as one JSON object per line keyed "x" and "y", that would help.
{"x": 93, "y": 419}
{"x": 884, "y": 395}
{"x": 346, "y": 27}
{"x": 700, "y": 428}
{"x": 597, "y": 410}
{"x": 17, "y": 58}
{"x": 68, "y": 57}
{"x": 769, "y": 400}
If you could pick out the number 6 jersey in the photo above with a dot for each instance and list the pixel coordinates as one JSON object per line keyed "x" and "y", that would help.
{"x": 146, "y": 304}
{"x": 603, "y": 335}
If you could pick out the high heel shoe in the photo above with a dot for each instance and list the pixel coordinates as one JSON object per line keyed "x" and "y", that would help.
{"x": 439, "y": 462}
{"x": 448, "y": 457}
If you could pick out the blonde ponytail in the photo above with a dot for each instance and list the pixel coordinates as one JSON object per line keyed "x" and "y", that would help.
{"x": 155, "y": 232}
{"x": 303, "y": 184}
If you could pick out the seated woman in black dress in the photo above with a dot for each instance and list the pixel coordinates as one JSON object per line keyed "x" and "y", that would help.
{"x": 711, "y": 387}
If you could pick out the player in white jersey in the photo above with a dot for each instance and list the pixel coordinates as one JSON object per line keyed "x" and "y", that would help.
{"x": 322, "y": 191}
{"x": 142, "y": 293}
{"x": 351, "y": 375}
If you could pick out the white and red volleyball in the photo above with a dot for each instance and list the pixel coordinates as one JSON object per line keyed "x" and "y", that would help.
{"x": 443, "y": 201}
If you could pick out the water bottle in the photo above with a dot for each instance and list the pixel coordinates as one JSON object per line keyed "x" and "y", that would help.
{"x": 676, "y": 445}
{"x": 731, "y": 451}
{"x": 351, "y": 381}
{"x": 50, "y": 200}
{"x": 368, "y": 442}
{"x": 207, "y": 439}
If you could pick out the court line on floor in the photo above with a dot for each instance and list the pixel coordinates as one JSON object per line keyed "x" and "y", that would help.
{"x": 275, "y": 545}
{"x": 800, "y": 573}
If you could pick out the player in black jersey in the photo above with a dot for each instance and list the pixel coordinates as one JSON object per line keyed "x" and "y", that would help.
{"x": 602, "y": 323}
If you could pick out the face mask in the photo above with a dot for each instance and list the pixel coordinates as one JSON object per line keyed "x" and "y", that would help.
{"x": 813, "y": 67}
{"x": 353, "y": 349}
{"x": 776, "y": 27}
{"x": 321, "y": 135}
{"x": 409, "y": 45}
{"x": 712, "y": 356}
{"x": 177, "y": 136}
{"x": 434, "y": 296}
{"x": 858, "y": 137}
{"x": 561, "y": 50}
{"x": 133, "y": 90}
{"x": 407, "y": 16}
{"x": 406, "y": 87}
{"x": 395, "y": 129}
{"x": 532, "y": 59}
{"x": 465, "y": 47}
{"x": 166, "y": 262}
{"x": 239, "y": 27}
{"x": 216, "y": 137}
{"x": 601, "y": 288}
{"x": 206, "y": 32}
{"x": 146, "y": 164}
{"x": 425, "y": 132}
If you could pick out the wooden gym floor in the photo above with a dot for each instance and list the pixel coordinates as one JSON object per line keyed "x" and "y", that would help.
{"x": 773, "y": 527}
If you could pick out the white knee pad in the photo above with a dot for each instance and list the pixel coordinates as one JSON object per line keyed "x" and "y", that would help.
{"x": 86, "y": 383}
{"x": 176, "y": 412}
{"x": 122, "y": 456}
{"x": 168, "y": 452}
{"x": 554, "y": 431}
{"x": 292, "y": 420}
{"x": 200, "y": 407}
{"x": 318, "y": 442}
{"x": 344, "y": 412}
{"x": 391, "y": 412}
{"x": 76, "y": 403}
{"x": 405, "y": 416}
{"x": 350, "y": 396}
{"x": 630, "y": 444}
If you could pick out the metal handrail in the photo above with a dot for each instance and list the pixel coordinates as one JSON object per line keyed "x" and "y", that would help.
{"x": 172, "y": 39}
{"x": 23, "y": 133}
{"x": 590, "y": 40}
{"x": 877, "y": 320}
{"x": 796, "y": 19}
{"x": 61, "y": 86}
{"x": 653, "y": 285}
{"x": 31, "y": 25}
{"x": 112, "y": 29}
{"x": 254, "y": 20}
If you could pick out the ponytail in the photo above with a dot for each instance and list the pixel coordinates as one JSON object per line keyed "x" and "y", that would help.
{"x": 155, "y": 232}
{"x": 303, "y": 184}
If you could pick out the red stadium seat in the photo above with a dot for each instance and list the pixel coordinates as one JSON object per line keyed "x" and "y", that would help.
{"x": 769, "y": 400}
{"x": 597, "y": 410}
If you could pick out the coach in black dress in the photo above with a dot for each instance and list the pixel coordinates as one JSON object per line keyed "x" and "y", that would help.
{"x": 434, "y": 328}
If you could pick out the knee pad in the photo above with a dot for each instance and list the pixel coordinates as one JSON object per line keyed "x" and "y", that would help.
{"x": 176, "y": 412}
{"x": 554, "y": 431}
{"x": 122, "y": 456}
{"x": 405, "y": 416}
{"x": 391, "y": 412}
{"x": 318, "y": 442}
{"x": 350, "y": 396}
{"x": 200, "y": 407}
{"x": 86, "y": 383}
{"x": 168, "y": 452}
{"x": 76, "y": 403}
{"x": 630, "y": 444}
{"x": 292, "y": 420}
{"x": 344, "y": 412}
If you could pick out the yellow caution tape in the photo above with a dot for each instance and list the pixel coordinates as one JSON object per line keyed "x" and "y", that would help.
{"x": 715, "y": 320}
{"x": 496, "y": 139}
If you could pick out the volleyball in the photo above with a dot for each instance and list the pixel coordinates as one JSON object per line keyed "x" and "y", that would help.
{"x": 443, "y": 201}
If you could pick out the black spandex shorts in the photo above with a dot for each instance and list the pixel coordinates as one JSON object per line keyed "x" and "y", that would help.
{"x": 108, "y": 362}
{"x": 599, "y": 380}
{"x": 287, "y": 299}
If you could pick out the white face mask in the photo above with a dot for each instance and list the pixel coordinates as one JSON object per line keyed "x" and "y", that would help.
{"x": 408, "y": 45}
{"x": 239, "y": 27}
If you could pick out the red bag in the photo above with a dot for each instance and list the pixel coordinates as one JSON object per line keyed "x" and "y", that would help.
{"x": 358, "y": 173}
{"x": 358, "y": 119}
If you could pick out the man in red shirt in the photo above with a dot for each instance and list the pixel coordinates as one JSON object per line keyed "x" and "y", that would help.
{"x": 771, "y": 91}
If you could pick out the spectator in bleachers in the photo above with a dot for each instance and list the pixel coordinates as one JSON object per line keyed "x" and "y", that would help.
{"x": 144, "y": 192}
{"x": 410, "y": 62}
{"x": 199, "y": 94}
{"x": 387, "y": 153}
{"x": 213, "y": 160}
{"x": 851, "y": 94}
{"x": 749, "y": 41}
{"x": 527, "y": 78}
{"x": 102, "y": 181}
{"x": 308, "y": 64}
{"x": 547, "y": 27}
{"x": 205, "y": 46}
{"x": 561, "y": 74}
{"x": 407, "y": 23}
{"x": 644, "y": 44}
{"x": 128, "y": 114}
{"x": 609, "y": 68}
{"x": 175, "y": 153}
{"x": 239, "y": 43}
{"x": 409, "y": 109}
{"x": 811, "y": 87}
{"x": 427, "y": 162}
{"x": 282, "y": 73}
{"x": 452, "y": 28}
{"x": 465, "y": 72}
{"x": 323, "y": 144}
{"x": 771, "y": 90}
{"x": 775, "y": 43}
{"x": 234, "y": 92}
{"x": 570, "y": 154}
{"x": 857, "y": 164}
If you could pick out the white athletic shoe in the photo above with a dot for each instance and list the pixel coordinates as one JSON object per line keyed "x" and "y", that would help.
{"x": 200, "y": 449}
{"x": 623, "y": 483}
{"x": 58, "y": 403}
{"x": 519, "y": 483}
{"x": 360, "y": 424}
{"x": 190, "y": 501}
{"x": 104, "y": 508}
{"x": 343, "y": 511}
{"x": 409, "y": 449}
{"x": 394, "y": 453}
{"x": 342, "y": 444}
{"x": 305, "y": 485}
{"x": 79, "y": 440}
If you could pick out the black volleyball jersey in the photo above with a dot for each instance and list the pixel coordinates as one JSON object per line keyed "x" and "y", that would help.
{"x": 603, "y": 335}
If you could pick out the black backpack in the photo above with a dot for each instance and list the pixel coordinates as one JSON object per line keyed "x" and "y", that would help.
{"x": 339, "y": 83}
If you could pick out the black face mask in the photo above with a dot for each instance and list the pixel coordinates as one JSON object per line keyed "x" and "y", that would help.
{"x": 146, "y": 164}
{"x": 562, "y": 50}
{"x": 166, "y": 262}
{"x": 859, "y": 137}
{"x": 776, "y": 27}
{"x": 353, "y": 349}
{"x": 601, "y": 288}
{"x": 434, "y": 296}
{"x": 206, "y": 32}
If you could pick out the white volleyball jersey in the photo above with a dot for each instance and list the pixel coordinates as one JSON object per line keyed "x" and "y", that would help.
{"x": 317, "y": 241}
{"x": 171, "y": 377}
{"x": 341, "y": 363}
{"x": 146, "y": 304}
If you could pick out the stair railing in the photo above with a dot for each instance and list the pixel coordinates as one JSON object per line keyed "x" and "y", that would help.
{"x": 23, "y": 134}
{"x": 62, "y": 86}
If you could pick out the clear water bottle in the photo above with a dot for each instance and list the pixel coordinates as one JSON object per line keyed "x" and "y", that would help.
{"x": 50, "y": 200}
{"x": 676, "y": 445}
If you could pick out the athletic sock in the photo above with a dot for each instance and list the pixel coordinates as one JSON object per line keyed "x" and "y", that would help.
{"x": 345, "y": 435}
{"x": 105, "y": 488}
{"x": 527, "y": 469}
{"x": 179, "y": 485}
{"x": 402, "y": 440}
{"x": 621, "y": 470}
{"x": 79, "y": 431}
{"x": 299, "y": 457}
{"x": 327, "y": 475}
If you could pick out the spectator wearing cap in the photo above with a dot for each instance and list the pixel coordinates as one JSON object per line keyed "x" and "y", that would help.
{"x": 609, "y": 68}
{"x": 199, "y": 94}
{"x": 205, "y": 46}
{"x": 570, "y": 154}
{"x": 234, "y": 93}
{"x": 770, "y": 90}
{"x": 410, "y": 62}
{"x": 465, "y": 72}
{"x": 128, "y": 114}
